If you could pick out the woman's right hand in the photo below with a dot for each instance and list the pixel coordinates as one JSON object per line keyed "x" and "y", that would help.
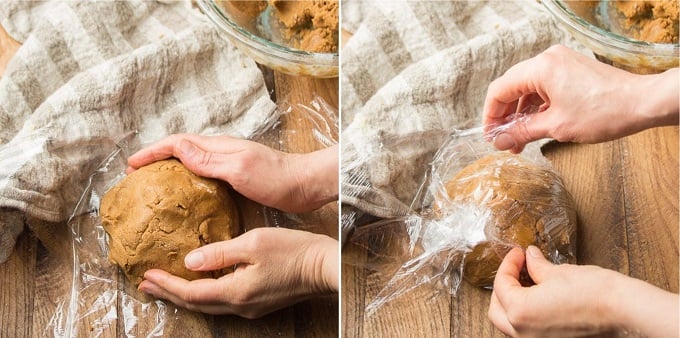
{"x": 574, "y": 300}
{"x": 275, "y": 268}
{"x": 289, "y": 182}
{"x": 579, "y": 99}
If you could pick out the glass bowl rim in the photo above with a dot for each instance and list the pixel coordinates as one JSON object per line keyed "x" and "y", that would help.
{"x": 605, "y": 37}
{"x": 215, "y": 14}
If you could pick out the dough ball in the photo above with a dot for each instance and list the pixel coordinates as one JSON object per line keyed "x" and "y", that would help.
{"x": 159, "y": 213}
{"x": 529, "y": 206}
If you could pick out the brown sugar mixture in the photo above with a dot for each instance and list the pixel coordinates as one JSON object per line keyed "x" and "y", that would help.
{"x": 155, "y": 216}
{"x": 529, "y": 206}
{"x": 310, "y": 25}
{"x": 249, "y": 8}
{"x": 651, "y": 21}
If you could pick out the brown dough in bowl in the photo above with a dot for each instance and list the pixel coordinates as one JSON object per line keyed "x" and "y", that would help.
{"x": 529, "y": 205}
{"x": 159, "y": 213}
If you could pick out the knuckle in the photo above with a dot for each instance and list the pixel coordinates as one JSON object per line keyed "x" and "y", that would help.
{"x": 215, "y": 257}
{"x": 174, "y": 138}
{"x": 240, "y": 169}
{"x": 256, "y": 238}
{"x": 205, "y": 158}
{"x": 552, "y": 58}
{"x": 494, "y": 86}
{"x": 560, "y": 132}
{"x": 558, "y": 48}
{"x": 517, "y": 317}
{"x": 244, "y": 297}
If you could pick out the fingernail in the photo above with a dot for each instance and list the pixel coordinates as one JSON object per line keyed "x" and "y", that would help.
{"x": 194, "y": 260}
{"x": 186, "y": 148}
{"x": 534, "y": 251}
{"x": 504, "y": 141}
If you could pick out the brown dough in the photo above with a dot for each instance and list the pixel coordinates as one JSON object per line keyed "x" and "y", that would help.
{"x": 159, "y": 213}
{"x": 249, "y": 8}
{"x": 529, "y": 205}
{"x": 651, "y": 21}
{"x": 309, "y": 25}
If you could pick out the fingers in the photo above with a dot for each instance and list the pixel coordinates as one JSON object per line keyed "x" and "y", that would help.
{"x": 173, "y": 146}
{"x": 522, "y": 131}
{"x": 509, "y": 270}
{"x": 498, "y": 316}
{"x": 202, "y": 295}
{"x": 507, "y": 276}
{"x": 537, "y": 265}
{"x": 160, "y": 150}
{"x": 505, "y": 287}
{"x": 215, "y": 256}
{"x": 199, "y": 161}
{"x": 502, "y": 110}
{"x": 519, "y": 88}
{"x": 505, "y": 92}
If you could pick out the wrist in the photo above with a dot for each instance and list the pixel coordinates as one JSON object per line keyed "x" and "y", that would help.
{"x": 658, "y": 98}
{"x": 613, "y": 302}
{"x": 318, "y": 172}
{"x": 324, "y": 265}
{"x": 643, "y": 308}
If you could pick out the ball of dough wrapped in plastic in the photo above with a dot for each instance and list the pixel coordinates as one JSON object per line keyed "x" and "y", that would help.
{"x": 529, "y": 206}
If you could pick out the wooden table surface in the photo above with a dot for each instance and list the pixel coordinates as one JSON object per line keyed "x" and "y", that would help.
{"x": 29, "y": 295}
{"x": 626, "y": 195}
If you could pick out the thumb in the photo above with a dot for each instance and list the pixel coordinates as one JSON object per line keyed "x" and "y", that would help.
{"x": 200, "y": 162}
{"x": 215, "y": 256}
{"x": 537, "y": 265}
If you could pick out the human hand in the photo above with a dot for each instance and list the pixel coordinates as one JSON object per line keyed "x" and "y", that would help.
{"x": 573, "y": 300}
{"x": 289, "y": 182}
{"x": 579, "y": 99}
{"x": 275, "y": 268}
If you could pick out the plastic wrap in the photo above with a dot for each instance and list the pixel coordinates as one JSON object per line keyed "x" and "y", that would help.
{"x": 322, "y": 120}
{"x": 474, "y": 205}
{"x": 99, "y": 301}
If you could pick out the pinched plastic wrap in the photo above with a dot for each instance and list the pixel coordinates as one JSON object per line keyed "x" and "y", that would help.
{"x": 473, "y": 206}
{"x": 99, "y": 301}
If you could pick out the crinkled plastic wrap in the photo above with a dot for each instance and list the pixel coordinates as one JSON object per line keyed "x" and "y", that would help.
{"x": 474, "y": 205}
{"x": 100, "y": 301}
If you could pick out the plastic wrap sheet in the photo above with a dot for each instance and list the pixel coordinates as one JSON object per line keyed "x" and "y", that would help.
{"x": 322, "y": 119}
{"x": 474, "y": 205}
{"x": 97, "y": 300}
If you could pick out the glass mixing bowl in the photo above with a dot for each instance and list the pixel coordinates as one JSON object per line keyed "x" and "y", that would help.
{"x": 242, "y": 32}
{"x": 580, "y": 18}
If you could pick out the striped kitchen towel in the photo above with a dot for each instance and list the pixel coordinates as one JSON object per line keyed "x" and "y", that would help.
{"x": 88, "y": 73}
{"x": 412, "y": 72}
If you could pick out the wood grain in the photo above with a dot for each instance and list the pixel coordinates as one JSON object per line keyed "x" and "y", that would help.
{"x": 18, "y": 289}
{"x": 650, "y": 164}
{"x": 33, "y": 287}
{"x": 597, "y": 189}
{"x": 468, "y": 313}
{"x": 316, "y": 317}
{"x": 626, "y": 196}
{"x": 353, "y": 296}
